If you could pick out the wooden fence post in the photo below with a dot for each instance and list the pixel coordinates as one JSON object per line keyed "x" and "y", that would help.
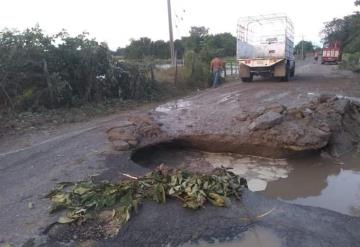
{"x": 176, "y": 68}
{"x": 152, "y": 72}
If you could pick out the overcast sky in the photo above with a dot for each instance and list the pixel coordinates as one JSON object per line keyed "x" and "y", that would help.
{"x": 117, "y": 21}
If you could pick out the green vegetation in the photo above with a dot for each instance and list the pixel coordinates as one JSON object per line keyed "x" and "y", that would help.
{"x": 145, "y": 47}
{"x": 351, "y": 61}
{"x": 347, "y": 31}
{"x": 196, "y": 50}
{"x": 199, "y": 41}
{"x": 307, "y": 45}
{"x": 84, "y": 201}
{"x": 39, "y": 71}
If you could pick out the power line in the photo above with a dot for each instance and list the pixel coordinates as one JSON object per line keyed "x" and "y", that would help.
{"x": 179, "y": 22}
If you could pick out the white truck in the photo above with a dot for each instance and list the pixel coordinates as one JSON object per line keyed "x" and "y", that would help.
{"x": 265, "y": 47}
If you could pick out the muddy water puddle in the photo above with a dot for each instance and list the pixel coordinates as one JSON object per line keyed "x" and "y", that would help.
{"x": 322, "y": 182}
{"x": 256, "y": 237}
{"x": 175, "y": 105}
{"x": 314, "y": 181}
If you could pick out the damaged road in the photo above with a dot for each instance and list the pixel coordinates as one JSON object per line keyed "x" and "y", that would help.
{"x": 319, "y": 110}
{"x": 268, "y": 122}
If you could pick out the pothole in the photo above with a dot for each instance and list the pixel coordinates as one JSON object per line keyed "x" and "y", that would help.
{"x": 314, "y": 180}
{"x": 258, "y": 171}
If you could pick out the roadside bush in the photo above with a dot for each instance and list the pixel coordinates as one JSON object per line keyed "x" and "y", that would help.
{"x": 196, "y": 70}
{"x": 351, "y": 61}
{"x": 39, "y": 71}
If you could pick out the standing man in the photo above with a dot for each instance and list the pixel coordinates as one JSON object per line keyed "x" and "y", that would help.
{"x": 316, "y": 57}
{"x": 215, "y": 67}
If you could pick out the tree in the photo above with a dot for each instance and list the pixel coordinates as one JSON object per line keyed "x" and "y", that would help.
{"x": 160, "y": 49}
{"x": 346, "y": 30}
{"x": 223, "y": 44}
{"x": 180, "y": 48}
{"x": 145, "y": 47}
{"x": 139, "y": 49}
{"x": 307, "y": 45}
{"x": 120, "y": 52}
{"x": 198, "y": 31}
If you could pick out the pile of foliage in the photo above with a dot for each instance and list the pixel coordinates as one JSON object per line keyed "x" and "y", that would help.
{"x": 41, "y": 71}
{"x": 83, "y": 200}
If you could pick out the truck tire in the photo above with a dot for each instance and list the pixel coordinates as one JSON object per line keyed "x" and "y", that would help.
{"x": 248, "y": 79}
{"x": 292, "y": 72}
{"x": 287, "y": 74}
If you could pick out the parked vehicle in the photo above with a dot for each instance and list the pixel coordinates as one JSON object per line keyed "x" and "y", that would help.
{"x": 331, "y": 53}
{"x": 265, "y": 47}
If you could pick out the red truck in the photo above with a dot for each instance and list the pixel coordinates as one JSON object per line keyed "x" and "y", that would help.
{"x": 331, "y": 53}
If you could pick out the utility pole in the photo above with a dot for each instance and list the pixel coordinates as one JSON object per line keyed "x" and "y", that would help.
{"x": 172, "y": 47}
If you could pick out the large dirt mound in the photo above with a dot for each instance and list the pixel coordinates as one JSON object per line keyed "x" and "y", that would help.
{"x": 277, "y": 126}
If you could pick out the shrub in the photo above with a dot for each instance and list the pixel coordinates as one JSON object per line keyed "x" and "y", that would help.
{"x": 351, "y": 61}
{"x": 39, "y": 71}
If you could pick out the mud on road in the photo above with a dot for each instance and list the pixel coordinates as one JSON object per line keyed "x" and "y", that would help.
{"x": 32, "y": 164}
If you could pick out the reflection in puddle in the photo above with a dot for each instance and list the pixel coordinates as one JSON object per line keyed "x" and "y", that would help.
{"x": 258, "y": 171}
{"x": 314, "y": 181}
{"x": 342, "y": 190}
{"x": 228, "y": 97}
{"x": 257, "y": 184}
{"x": 257, "y": 237}
{"x": 179, "y": 104}
{"x": 323, "y": 183}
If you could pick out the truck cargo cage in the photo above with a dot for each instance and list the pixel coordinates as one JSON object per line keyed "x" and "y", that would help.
{"x": 265, "y": 46}
{"x": 257, "y": 33}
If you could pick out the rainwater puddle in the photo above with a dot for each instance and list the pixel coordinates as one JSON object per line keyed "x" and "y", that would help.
{"x": 256, "y": 237}
{"x": 258, "y": 171}
{"x": 321, "y": 182}
{"x": 179, "y": 104}
{"x": 313, "y": 181}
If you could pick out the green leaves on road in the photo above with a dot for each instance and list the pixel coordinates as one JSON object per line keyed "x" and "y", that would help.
{"x": 83, "y": 200}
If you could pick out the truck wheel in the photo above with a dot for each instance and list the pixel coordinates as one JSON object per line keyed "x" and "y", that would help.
{"x": 248, "y": 79}
{"x": 251, "y": 77}
{"x": 292, "y": 73}
{"x": 287, "y": 74}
